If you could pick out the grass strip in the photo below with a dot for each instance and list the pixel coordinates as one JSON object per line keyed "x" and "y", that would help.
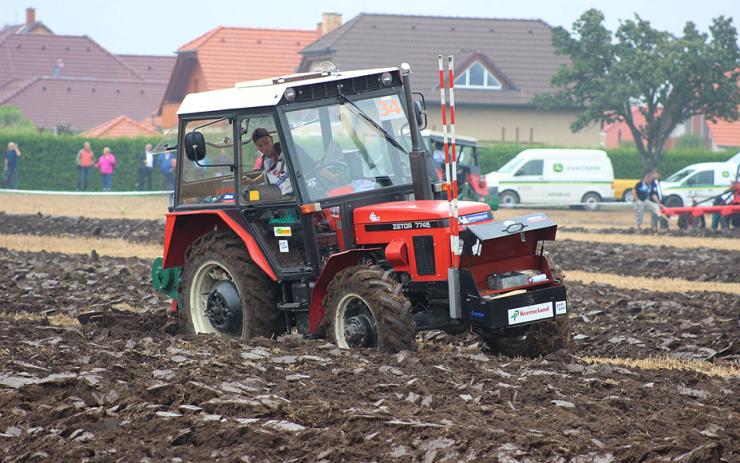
{"x": 662, "y": 285}
{"x": 722, "y": 370}
{"x": 112, "y": 247}
{"x": 685, "y": 242}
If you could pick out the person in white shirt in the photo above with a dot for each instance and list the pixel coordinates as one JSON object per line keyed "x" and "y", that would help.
{"x": 146, "y": 165}
{"x": 274, "y": 169}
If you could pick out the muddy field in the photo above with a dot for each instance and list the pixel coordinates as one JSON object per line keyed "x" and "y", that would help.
{"x": 128, "y": 387}
{"x": 646, "y": 261}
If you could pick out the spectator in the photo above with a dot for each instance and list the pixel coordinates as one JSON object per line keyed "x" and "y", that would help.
{"x": 167, "y": 163}
{"x": 106, "y": 164}
{"x": 146, "y": 165}
{"x": 10, "y": 167}
{"x": 648, "y": 195}
{"x": 85, "y": 161}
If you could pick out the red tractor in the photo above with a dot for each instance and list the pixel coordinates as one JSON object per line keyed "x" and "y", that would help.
{"x": 344, "y": 230}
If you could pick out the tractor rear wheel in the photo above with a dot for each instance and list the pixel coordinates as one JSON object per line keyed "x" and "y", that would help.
{"x": 535, "y": 340}
{"x": 224, "y": 292}
{"x": 365, "y": 307}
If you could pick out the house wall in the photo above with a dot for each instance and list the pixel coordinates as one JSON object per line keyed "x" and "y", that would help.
{"x": 522, "y": 125}
{"x": 196, "y": 83}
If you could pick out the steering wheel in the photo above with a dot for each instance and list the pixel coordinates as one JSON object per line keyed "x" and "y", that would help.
{"x": 334, "y": 169}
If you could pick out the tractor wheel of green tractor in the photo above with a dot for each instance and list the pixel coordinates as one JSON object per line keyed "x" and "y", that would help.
{"x": 224, "y": 292}
{"x": 365, "y": 307}
{"x": 538, "y": 339}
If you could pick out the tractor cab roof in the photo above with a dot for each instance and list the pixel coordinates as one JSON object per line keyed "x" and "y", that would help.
{"x": 270, "y": 92}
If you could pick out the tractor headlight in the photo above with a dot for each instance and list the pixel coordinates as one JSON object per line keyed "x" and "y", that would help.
{"x": 289, "y": 94}
{"x": 386, "y": 79}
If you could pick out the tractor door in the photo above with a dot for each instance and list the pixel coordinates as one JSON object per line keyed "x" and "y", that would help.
{"x": 267, "y": 198}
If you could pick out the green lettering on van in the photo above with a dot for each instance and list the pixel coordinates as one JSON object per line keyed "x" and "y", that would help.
{"x": 557, "y": 167}
{"x": 725, "y": 173}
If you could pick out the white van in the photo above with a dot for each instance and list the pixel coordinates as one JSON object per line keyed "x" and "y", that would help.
{"x": 698, "y": 182}
{"x": 555, "y": 176}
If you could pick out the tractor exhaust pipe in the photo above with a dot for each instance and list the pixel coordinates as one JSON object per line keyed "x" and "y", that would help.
{"x": 419, "y": 158}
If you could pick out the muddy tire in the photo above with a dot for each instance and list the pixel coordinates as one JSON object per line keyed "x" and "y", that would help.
{"x": 365, "y": 307}
{"x": 219, "y": 263}
{"x": 538, "y": 339}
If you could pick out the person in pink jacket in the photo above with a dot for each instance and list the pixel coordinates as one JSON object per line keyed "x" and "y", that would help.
{"x": 107, "y": 164}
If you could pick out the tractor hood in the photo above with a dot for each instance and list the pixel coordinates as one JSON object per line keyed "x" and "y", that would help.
{"x": 410, "y": 211}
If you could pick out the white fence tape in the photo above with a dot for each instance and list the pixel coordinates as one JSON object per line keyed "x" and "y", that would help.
{"x": 87, "y": 193}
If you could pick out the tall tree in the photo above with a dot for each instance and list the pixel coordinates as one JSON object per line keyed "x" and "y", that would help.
{"x": 668, "y": 78}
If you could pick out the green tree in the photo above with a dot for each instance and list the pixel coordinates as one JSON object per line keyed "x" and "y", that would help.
{"x": 11, "y": 118}
{"x": 668, "y": 78}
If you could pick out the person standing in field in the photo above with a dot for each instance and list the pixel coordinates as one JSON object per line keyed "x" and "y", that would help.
{"x": 648, "y": 196}
{"x": 10, "y": 167}
{"x": 146, "y": 165}
{"x": 85, "y": 162}
{"x": 106, "y": 164}
{"x": 166, "y": 163}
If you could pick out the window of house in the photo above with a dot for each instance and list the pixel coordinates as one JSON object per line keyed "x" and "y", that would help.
{"x": 477, "y": 76}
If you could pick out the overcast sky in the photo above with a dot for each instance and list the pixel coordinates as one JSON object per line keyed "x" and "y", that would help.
{"x": 161, "y": 26}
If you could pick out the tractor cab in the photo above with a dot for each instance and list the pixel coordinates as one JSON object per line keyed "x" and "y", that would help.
{"x": 310, "y": 202}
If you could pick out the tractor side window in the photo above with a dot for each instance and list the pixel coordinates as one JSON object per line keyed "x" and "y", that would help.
{"x": 705, "y": 177}
{"x": 210, "y": 180}
{"x": 531, "y": 168}
{"x": 264, "y": 170}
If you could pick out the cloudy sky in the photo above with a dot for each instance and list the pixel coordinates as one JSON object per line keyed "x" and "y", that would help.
{"x": 161, "y": 26}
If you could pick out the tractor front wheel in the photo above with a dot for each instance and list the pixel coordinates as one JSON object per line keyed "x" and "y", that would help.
{"x": 365, "y": 307}
{"x": 224, "y": 292}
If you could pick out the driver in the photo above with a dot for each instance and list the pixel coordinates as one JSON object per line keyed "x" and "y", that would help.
{"x": 274, "y": 169}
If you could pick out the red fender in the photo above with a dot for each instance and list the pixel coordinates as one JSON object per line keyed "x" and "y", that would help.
{"x": 335, "y": 263}
{"x": 182, "y": 228}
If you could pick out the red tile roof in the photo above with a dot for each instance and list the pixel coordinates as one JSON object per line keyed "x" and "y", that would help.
{"x": 725, "y": 133}
{"x": 120, "y": 126}
{"x": 232, "y": 54}
{"x": 83, "y": 102}
{"x": 27, "y": 55}
{"x": 155, "y": 68}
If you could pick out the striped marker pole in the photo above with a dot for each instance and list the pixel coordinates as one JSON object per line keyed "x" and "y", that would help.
{"x": 455, "y": 237}
{"x": 446, "y": 146}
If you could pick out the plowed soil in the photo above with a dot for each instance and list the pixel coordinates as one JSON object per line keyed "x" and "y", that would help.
{"x": 124, "y": 389}
{"x": 645, "y": 261}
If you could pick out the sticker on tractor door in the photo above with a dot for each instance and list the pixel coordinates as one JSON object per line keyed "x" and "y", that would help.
{"x": 283, "y": 244}
{"x": 530, "y": 313}
{"x": 560, "y": 307}
{"x": 283, "y": 231}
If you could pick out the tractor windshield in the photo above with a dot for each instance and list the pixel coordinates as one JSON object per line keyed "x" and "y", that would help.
{"x": 351, "y": 147}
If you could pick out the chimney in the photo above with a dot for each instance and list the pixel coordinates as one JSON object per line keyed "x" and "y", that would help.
{"x": 329, "y": 22}
{"x": 30, "y": 16}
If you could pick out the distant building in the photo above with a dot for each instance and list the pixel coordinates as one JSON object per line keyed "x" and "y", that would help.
{"x": 719, "y": 136}
{"x": 500, "y": 65}
{"x": 72, "y": 80}
{"x": 121, "y": 126}
{"x": 226, "y": 55}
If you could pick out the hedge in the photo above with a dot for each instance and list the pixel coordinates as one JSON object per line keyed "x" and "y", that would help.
{"x": 626, "y": 162}
{"x": 47, "y": 161}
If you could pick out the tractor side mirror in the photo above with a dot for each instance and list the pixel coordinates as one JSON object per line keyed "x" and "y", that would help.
{"x": 195, "y": 146}
{"x": 420, "y": 110}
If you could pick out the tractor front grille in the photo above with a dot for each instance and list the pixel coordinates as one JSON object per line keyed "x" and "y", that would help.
{"x": 424, "y": 254}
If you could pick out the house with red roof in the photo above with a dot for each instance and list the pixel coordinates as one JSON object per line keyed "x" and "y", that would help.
{"x": 718, "y": 136}
{"x": 226, "y": 55}
{"x": 73, "y": 81}
{"x": 121, "y": 126}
